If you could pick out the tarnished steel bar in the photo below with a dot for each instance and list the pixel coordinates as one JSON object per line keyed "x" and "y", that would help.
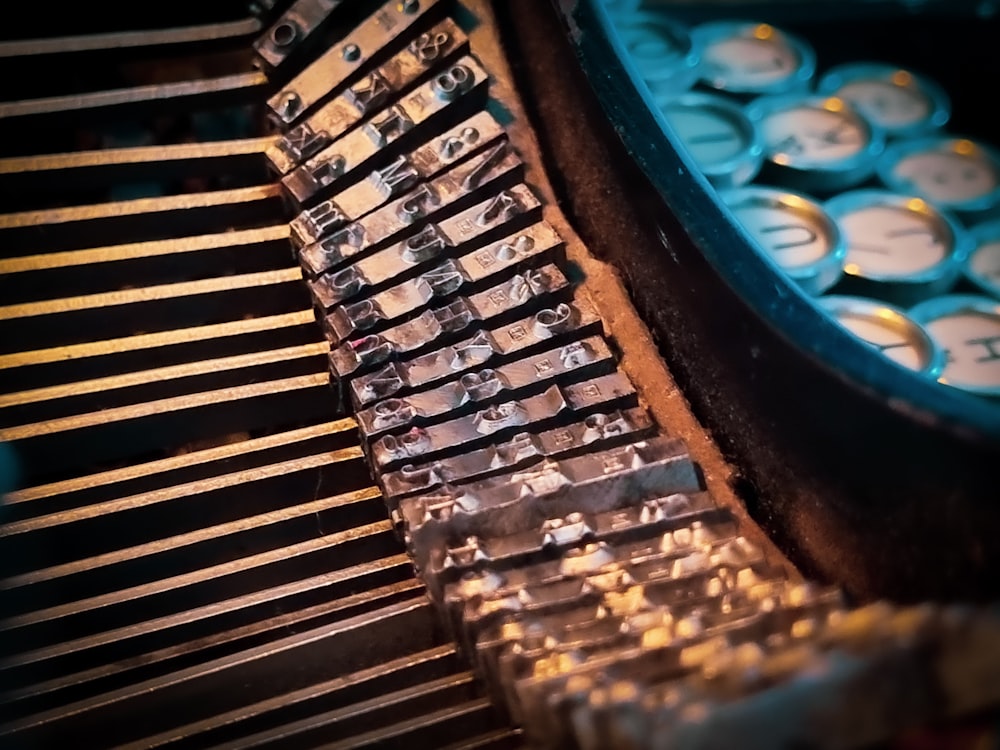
{"x": 179, "y": 495}
{"x": 462, "y": 233}
{"x": 185, "y": 40}
{"x": 485, "y": 348}
{"x": 108, "y": 167}
{"x": 377, "y": 37}
{"x": 443, "y": 324}
{"x": 443, "y": 726}
{"x": 557, "y": 403}
{"x": 377, "y": 584}
{"x": 159, "y": 645}
{"x": 36, "y": 277}
{"x": 459, "y": 565}
{"x": 598, "y": 482}
{"x": 291, "y": 32}
{"x": 444, "y": 281}
{"x": 146, "y": 341}
{"x": 123, "y": 605}
{"x": 321, "y": 653}
{"x": 247, "y": 240}
{"x": 413, "y": 669}
{"x": 173, "y": 527}
{"x": 597, "y": 431}
{"x": 70, "y": 319}
{"x": 365, "y": 716}
{"x": 142, "y": 385}
{"x": 507, "y": 738}
{"x": 44, "y": 367}
{"x": 327, "y": 585}
{"x": 30, "y": 232}
{"x": 358, "y": 589}
{"x": 225, "y": 91}
{"x": 135, "y": 411}
{"x": 78, "y": 492}
{"x": 571, "y": 363}
{"x": 429, "y": 51}
{"x": 62, "y": 444}
{"x": 134, "y": 296}
{"x": 425, "y": 162}
{"x": 450, "y": 192}
{"x": 445, "y": 99}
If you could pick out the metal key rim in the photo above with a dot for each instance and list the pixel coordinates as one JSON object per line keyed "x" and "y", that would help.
{"x": 814, "y": 277}
{"x": 739, "y": 169}
{"x": 938, "y": 100}
{"x": 681, "y": 69}
{"x": 981, "y": 235}
{"x": 714, "y": 31}
{"x": 955, "y": 304}
{"x": 931, "y": 355}
{"x": 965, "y": 147}
{"x": 825, "y": 176}
{"x": 941, "y": 274}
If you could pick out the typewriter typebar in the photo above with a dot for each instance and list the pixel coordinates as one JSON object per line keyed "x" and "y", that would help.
{"x": 330, "y": 420}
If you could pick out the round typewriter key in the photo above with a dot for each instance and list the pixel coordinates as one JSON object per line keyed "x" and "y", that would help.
{"x": 663, "y": 52}
{"x": 967, "y": 328}
{"x": 898, "y": 247}
{"x": 900, "y": 102}
{"x": 955, "y": 173}
{"x": 794, "y": 231}
{"x": 888, "y": 329}
{"x": 742, "y": 57}
{"x": 718, "y": 136}
{"x": 982, "y": 266}
{"x": 814, "y": 142}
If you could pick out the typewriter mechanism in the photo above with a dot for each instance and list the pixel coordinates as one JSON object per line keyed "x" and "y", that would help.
{"x": 455, "y": 374}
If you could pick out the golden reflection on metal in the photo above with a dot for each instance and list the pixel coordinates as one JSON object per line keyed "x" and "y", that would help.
{"x": 964, "y": 147}
{"x": 901, "y": 78}
{"x": 834, "y": 104}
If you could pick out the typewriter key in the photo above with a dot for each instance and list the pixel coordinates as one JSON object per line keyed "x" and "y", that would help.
{"x": 794, "y": 231}
{"x": 954, "y": 173}
{"x": 718, "y": 136}
{"x": 900, "y": 102}
{"x": 741, "y": 57}
{"x": 888, "y": 329}
{"x": 663, "y": 52}
{"x": 967, "y": 328}
{"x": 815, "y": 143}
{"x": 982, "y": 266}
{"x": 899, "y": 248}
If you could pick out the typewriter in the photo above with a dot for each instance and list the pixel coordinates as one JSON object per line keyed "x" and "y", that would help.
{"x": 455, "y": 374}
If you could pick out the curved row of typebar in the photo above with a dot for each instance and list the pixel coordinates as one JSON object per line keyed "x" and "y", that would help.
{"x": 603, "y": 595}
